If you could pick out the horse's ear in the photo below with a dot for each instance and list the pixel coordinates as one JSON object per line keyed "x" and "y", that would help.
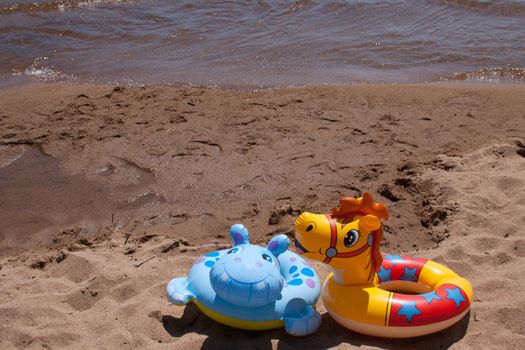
{"x": 278, "y": 244}
{"x": 239, "y": 234}
{"x": 369, "y": 223}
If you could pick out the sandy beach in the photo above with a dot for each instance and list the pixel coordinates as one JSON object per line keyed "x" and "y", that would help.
{"x": 108, "y": 192}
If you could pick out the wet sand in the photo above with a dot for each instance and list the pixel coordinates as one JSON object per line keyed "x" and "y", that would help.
{"x": 95, "y": 180}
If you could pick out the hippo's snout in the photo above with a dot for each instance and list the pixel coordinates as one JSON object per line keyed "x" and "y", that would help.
{"x": 247, "y": 291}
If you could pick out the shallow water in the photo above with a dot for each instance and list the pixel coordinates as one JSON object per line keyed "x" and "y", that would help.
{"x": 36, "y": 195}
{"x": 39, "y": 199}
{"x": 262, "y": 43}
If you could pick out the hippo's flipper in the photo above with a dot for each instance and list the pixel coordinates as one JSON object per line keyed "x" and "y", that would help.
{"x": 177, "y": 291}
{"x": 304, "y": 324}
{"x": 301, "y": 319}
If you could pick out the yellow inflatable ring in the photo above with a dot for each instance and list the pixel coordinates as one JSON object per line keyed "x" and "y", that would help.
{"x": 442, "y": 299}
{"x": 392, "y": 296}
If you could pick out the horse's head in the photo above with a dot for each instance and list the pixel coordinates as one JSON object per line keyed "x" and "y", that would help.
{"x": 249, "y": 275}
{"x": 351, "y": 231}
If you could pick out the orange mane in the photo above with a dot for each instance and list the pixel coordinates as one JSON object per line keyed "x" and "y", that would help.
{"x": 350, "y": 207}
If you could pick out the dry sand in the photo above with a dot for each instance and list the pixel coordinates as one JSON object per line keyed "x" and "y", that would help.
{"x": 95, "y": 180}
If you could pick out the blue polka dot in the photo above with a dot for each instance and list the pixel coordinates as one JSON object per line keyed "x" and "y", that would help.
{"x": 217, "y": 259}
{"x": 308, "y": 272}
{"x": 296, "y": 275}
{"x": 209, "y": 263}
{"x": 212, "y": 254}
{"x": 293, "y": 269}
{"x": 296, "y": 282}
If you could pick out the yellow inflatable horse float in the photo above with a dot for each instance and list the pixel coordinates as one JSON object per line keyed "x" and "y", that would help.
{"x": 391, "y": 296}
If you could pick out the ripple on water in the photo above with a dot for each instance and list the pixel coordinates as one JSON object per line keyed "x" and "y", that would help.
{"x": 262, "y": 43}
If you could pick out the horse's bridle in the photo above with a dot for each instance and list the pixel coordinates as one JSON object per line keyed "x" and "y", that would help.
{"x": 332, "y": 252}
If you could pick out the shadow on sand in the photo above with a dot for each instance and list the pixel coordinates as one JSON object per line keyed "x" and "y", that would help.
{"x": 329, "y": 335}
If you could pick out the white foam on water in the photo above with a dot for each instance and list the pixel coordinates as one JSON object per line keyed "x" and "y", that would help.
{"x": 46, "y": 73}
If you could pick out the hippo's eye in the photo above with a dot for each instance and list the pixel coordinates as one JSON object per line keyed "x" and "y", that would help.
{"x": 234, "y": 250}
{"x": 267, "y": 257}
{"x": 310, "y": 228}
{"x": 351, "y": 238}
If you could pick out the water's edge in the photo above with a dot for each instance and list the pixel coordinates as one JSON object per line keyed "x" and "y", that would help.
{"x": 262, "y": 44}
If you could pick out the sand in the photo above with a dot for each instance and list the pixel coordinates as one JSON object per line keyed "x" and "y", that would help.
{"x": 106, "y": 193}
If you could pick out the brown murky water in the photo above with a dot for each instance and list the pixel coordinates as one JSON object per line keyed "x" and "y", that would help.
{"x": 261, "y": 43}
{"x": 37, "y": 197}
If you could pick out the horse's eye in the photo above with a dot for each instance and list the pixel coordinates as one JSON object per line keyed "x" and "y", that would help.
{"x": 310, "y": 228}
{"x": 351, "y": 238}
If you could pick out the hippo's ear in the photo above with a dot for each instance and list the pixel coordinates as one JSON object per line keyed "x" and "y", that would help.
{"x": 239, "y": 234}
{"x": 278, "y": 244}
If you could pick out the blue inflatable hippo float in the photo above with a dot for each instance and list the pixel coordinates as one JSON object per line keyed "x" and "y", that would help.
{"x": 253, "y": 287}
